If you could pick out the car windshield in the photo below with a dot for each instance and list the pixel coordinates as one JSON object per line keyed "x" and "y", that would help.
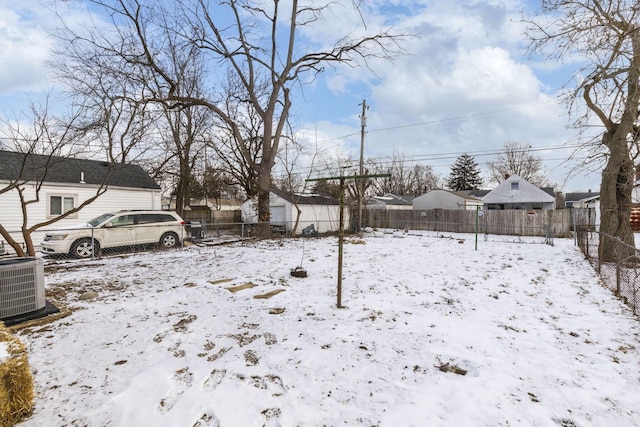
{"x": 95, "y": 221}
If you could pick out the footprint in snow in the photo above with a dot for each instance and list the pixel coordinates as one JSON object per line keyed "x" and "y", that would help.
{"x": 270, "y": 417}
{"x": 272, "y": 383}
{"x": 159, "y": 337}
{"x": 207, "y": 420}
{"x": 214, "y": 379}
{"x": 182, "y": 380}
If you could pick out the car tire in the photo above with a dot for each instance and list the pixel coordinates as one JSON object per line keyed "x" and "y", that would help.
{"x": 169, "y": 240}
{"x": 83, "y": 248}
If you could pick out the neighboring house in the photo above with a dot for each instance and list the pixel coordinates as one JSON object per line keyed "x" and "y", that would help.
{"x": 580, "y": 200}
{"x": 66, "y": 184}
{"x": 517, "y": 193}
{"x": 321, "y": 211}
{"x": 445, "y": 199}
{"x": 635, "y": 192}
{"x": 594, "y": 202}
{"x": 390, "y": 201}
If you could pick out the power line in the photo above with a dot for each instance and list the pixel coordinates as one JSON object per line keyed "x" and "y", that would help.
{"x": 460, "y": 117}
{"x": 431, "y": 122}
{"x": 419, "y": 158}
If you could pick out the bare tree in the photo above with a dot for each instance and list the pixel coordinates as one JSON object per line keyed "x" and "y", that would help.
{"x": 239, "y": 147}
{"x": 404, "y": 179}
{"x": 517, "y": 159}
{"x": 606, "y": 34}
{"x": 130, "y": 105}
{"x": 336, "y": 166}
{"x": 212, "y": 182}
{"x": 256, "y": 41}
{"x": 113, "y": 97}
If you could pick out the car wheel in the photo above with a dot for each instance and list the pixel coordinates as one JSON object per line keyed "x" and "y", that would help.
{"x": 83, "y": 248}
{"x": 169, "y": 240}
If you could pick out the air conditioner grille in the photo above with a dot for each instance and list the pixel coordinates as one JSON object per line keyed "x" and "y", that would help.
{"x": 17, "y": 291}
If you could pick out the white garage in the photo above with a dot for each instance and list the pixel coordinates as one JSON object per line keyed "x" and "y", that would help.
{"x": 308, "y": 209}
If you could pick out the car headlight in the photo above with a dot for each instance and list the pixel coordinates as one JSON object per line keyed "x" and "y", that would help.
{"x": 56, "y": 237}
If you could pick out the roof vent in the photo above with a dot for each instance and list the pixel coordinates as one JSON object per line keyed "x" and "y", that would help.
{"x": 82, "y": 178}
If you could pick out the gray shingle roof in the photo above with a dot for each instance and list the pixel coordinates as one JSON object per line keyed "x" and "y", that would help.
{"x": 576, "y": 197}
{"x": 310, "y": 199}
{"x": 478, "y": 194}
{"x": 35, "y": 167}
{"x": 394, "y": 199}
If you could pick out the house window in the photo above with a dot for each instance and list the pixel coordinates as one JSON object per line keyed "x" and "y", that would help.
{"x": 59, "y": 204}
{"x": 515, "y": 186}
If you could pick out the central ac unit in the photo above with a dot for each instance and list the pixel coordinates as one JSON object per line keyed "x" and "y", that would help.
{"x": 21, "y": 286}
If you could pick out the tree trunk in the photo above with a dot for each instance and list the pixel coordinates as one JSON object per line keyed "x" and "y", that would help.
{"x": 28, "y": 242}
{"x": 615, "y": 197}
{"x": 264, "y": 215}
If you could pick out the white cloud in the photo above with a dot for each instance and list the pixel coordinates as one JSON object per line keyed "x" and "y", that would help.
{"x": 24, "y": 47}
{"x": 467, "y": 85}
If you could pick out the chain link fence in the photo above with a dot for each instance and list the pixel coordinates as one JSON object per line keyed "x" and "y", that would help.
{"x": 619, "y": 266}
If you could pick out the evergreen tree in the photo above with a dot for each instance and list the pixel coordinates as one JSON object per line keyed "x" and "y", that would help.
{"x": 465, "y": 174}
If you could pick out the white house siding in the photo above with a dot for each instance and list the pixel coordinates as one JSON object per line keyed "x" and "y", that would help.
{"x": 325, "y": 218}
{"x": 635, "y": 193}
{"x": 278, "y": 214}
{"x": 114, "y": 199}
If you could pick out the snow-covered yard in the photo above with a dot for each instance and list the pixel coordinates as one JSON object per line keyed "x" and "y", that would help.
{"x": 433, "y": 333}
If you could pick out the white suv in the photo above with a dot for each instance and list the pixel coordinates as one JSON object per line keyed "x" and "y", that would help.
{"x": 117, "y": 229}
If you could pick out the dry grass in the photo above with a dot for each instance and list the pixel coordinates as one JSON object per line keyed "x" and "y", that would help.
{"x": 16, "y": 382}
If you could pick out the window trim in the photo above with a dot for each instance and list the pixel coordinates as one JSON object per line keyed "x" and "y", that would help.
{"x": 62, "y": 197}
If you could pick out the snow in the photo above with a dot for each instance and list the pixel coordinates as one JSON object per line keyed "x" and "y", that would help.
{"x": 540, "y": 340}
{"x": 4, "y": 352}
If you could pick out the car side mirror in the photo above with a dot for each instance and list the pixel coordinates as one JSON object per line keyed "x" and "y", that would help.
{"x": 108, "y": 225}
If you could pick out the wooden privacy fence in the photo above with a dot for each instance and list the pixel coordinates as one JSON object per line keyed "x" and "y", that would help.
{"x": 513, "y": 222}
{"x": 208, "y": 215}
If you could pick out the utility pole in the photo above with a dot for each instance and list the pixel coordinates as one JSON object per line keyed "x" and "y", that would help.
{"x": 363, "y": 124}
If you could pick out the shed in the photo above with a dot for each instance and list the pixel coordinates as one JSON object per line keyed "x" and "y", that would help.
{"x": 445, "y": 199}
{"x": 321, "y": 211}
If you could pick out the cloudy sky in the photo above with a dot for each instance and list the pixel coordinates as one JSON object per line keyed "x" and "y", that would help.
{"x": 466, "y": 84}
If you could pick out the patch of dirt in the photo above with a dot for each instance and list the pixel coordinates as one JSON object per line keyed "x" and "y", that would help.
{"x": 63, "y": 292}
{"x": 235, "y": 289}
{"x": 57, "y": 267}
{"x": 268, "y": 294}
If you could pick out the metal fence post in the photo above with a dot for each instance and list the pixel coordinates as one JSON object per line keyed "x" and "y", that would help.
{"x": 600, "y": 236}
